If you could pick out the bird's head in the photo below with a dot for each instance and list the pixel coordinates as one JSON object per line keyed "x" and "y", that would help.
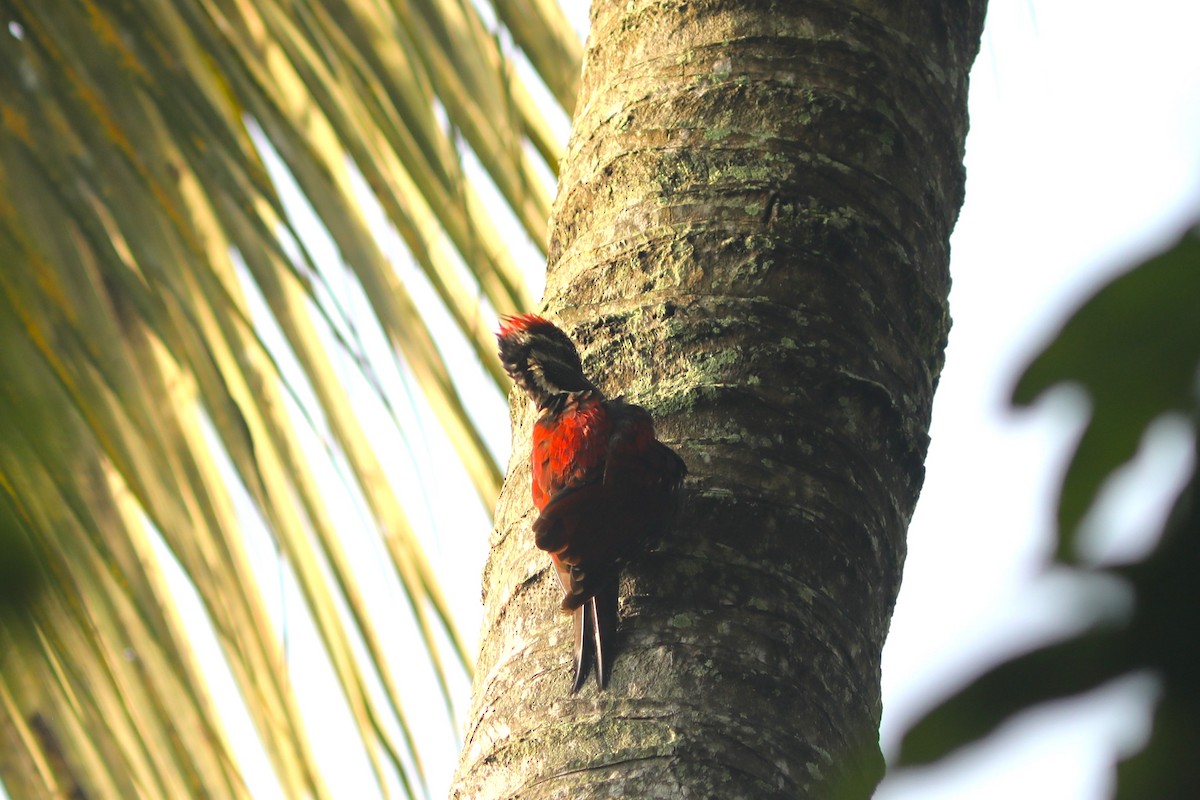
{"x": 540, "y": 358}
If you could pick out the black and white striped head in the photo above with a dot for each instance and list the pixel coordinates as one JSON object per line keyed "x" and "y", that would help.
{"x": 540, "y": 358}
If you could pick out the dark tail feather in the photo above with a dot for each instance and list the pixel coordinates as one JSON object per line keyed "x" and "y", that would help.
{"x": 582, "y": 624}
{"x": 595, "y": 636}
{"x": 604, "y": 621}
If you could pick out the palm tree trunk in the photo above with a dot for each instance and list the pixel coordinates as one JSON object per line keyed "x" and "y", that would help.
{"x": 750, "y": 239}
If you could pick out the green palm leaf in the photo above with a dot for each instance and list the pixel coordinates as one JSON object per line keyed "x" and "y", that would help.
{"x": 172, "y": 343}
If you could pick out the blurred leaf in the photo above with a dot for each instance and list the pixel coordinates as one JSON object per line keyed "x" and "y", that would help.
{"x": 1167, "y": 766}
{"x": 1165, "y": 637}
{"x": 1134, "y": 348}
{"x": 20, "y": 577}
{"x": 179, "y": 326}
{"x": 1054, "y": 672}
{"x": 545, "y": 36}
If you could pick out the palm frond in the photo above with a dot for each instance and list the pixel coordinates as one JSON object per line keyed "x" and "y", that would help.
{"x": 172, "y": 343}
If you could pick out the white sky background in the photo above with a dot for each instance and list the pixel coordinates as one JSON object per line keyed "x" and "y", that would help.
{"x": 1084, "y": 153}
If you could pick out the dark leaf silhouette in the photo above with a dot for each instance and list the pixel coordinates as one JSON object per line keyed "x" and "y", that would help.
{"x": 1133, "y": 348}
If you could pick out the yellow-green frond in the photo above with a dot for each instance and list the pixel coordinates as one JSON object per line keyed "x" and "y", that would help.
{"x": 224, "y": 223}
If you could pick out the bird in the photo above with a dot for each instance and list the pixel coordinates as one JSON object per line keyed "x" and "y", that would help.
{"x": 602, "y": 482}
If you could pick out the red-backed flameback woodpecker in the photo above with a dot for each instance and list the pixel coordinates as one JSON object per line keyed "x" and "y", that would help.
{"x": 602, "y": 482}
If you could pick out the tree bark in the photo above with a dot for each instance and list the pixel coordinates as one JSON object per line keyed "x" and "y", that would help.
{"x": 751, "y": 240}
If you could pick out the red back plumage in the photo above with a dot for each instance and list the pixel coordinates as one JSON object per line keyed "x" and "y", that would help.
{"x": 569, "y": 447}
